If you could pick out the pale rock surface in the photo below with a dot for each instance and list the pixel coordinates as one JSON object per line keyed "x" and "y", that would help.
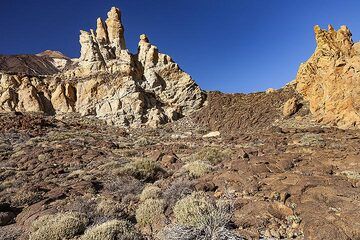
{"x": 108, "y": 82}
{"x": 212, "y": 134}
{"x": 290, "y": 107}
{"x": 330, "y": 79}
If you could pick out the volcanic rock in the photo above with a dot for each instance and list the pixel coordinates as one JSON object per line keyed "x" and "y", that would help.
{"x": 107, "y": 81}
{"x": 290, "y": 107}
{"x": 330, "y": 79}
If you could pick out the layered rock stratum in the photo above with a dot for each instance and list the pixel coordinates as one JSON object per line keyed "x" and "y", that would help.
{"x": 107, "y": 81}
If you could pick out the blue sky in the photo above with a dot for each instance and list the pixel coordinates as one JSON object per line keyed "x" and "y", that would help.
{"x": 226, "y": 45}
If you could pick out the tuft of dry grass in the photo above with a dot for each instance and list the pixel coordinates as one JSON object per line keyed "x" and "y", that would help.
{"x": 150, "y": 192}
{"x": 197, "y": 169}
{"x": 200, "y": 217}
{"x": 58, "y": 227}
{"x": 111, "y": 230}
{"x": 143, "y": 169}
{"x": 150, "y": 211}
{"x": 212, "y": 155}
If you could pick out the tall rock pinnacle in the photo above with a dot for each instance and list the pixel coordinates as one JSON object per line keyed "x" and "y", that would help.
{"x": 106, "y": 43}
{"x": 115, "y": 28}
{"x": 101, "y": 32}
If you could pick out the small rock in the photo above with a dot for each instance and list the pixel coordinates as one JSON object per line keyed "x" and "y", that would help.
{"x": 212, "y": 134}
{"x": 270, "y": 90}
{"x": 6, "y": 218}
{"x": 280, "y": 211}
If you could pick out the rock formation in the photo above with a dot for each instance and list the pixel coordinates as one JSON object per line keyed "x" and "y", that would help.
{"x": 107, "y": 82}
{"x": 290, "y": 107}
{"x": 330, "y": 79}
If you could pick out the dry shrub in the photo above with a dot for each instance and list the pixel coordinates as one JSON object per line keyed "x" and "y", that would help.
{"x": 150, "y": 211}
{"x": 58, "y": 227}
{"x": 150, "y": 192}
{"x": 111, "y": 230}
{"x": 178, "y": 190}
{"x": 110, "y": 208}
{"x": 197, "y": 169}
{"x": 212, "y": 155}
{"x": 200, "y": 217}
{"x": 143, "y": 169}
{"x": 123, "y": 185}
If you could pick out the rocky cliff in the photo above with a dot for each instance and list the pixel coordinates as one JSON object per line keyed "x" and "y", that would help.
{"x": 107, "y": 81}
{"x": 330, "y": 79}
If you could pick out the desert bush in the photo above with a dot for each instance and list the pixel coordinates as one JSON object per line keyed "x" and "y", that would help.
{"x": 123, "y": 185}
{"x": 150, "y": 192}
{"x": 58, "y": 227}
{"x": 197, "y": 169}
{"x": 110, "y": 208}
{"x": 149, "y": 211}
{"x": 178, "y": 232}
{"x": 210, "y": 154}
{"x": 177, "y": 190}
{"x": 111, "y": 230}
{"x": 143, "y": 169}
{"x": 200, "y": 217}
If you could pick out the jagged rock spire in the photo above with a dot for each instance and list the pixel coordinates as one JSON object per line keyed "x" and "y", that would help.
{"x": 330, "y": 79}
{"x": 115, "y": 28}
{"x": 333, "y": 42}
{"x": 107, "y": 42}
{"x": 101, "y": 32}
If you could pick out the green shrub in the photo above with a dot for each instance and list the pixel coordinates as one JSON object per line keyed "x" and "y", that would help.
{"x": 58, "y": 227}
{"x": 111, "y": 230}
{"x": 149, "y": 211}
{"x": 197, "y": 169}
{"x": 150, "y": 192}
{"x": 143, "y": 169}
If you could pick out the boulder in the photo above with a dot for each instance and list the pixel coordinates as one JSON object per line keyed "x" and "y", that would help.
{"x": 290, "y": 107}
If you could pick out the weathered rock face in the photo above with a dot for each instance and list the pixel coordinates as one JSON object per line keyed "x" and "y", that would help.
{"x": 330, "y": 79}
{"x": 290, "y": 107}
{"x": 108, "y": 82}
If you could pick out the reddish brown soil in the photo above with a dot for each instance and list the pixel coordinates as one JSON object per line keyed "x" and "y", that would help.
{"x": 285, "y": 181}
{"x": 237, "y": 113}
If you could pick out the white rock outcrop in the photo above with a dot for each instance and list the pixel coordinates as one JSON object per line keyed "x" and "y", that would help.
{"x": 109, "y": 82}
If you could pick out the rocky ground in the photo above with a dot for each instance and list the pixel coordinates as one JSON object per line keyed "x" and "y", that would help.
{"x": 117, "y": 145}
{"x": 96, "y": 181}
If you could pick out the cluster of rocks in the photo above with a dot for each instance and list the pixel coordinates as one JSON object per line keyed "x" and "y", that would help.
{"x": 107, "y": 81}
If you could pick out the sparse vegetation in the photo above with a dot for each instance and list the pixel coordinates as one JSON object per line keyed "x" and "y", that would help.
{"x": 111, "y": 230}
{"x": 150, "y": 211}
{"x": 212, "y": 155}
{"x": 200, "y": 217}
{"x": 150, "y": 192}
{"x": 197, "y": 169}
{"x": 109, "y": 208}
{"x": 143, "y": 169}
{"x": 58, "y": 227}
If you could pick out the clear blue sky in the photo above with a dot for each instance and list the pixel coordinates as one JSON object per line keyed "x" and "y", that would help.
{"x": 226, "y": 45}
